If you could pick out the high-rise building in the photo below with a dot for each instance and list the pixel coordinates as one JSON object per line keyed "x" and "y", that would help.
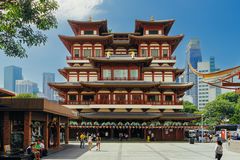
{"x": 11, "y": 74}
{"x": 47, "y": 91}
{"x": 206, "y": 93}
{"x": 26, "y": 86}
{"x": 124, "y": 77}
{"x": 193, "y": 56}
{"x": 203, "y": 88}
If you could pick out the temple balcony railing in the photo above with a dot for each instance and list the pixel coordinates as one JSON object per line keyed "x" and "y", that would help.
{"x": 85, "y": 58}
{"x": 122, "y": 102}
{"x": 120, "y": 78}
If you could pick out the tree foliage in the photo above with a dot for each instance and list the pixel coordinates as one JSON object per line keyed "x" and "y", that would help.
{"x": 225, "y": 109}
{"x": 189, "y": 107}
{"x": 26, "y": 95}
{"x": 22, "y": 23}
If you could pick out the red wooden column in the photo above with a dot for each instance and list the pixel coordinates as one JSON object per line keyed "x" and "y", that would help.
{"x": 163, "y": 76}
{"x": 6, "y": 128}
{"x": 129, "y": 133}
{"x": 175, "y": 98}
{"x": 45, "y": 131}
{"x": 67, "y": 132}
{"x": 78, "y": 76}
{"x": 27, "y": 129}
{"x": 145, "y": 134}
{"x": 160, "y": 51}
{"x": 93, "y": 51}
{"x": 149, "y": 53}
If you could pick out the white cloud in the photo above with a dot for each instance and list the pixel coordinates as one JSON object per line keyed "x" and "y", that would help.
{"x": 77, "y": 9}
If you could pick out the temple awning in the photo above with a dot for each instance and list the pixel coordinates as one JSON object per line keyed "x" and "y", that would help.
{"x": 69, "y": 40}
{"x": 166, "y": 24}
{"x": 119, "y": 115}
{"x": 65, "y": 71}
{"x": 36, "y": 104}
{"x": 120, "y": 84}
{"x": 6, "y": 93}
{"x": 121, "y": 59}
{"x": 175, "y": 70}
{"x": 77, "y": 25}
{"x": 140, "y": 115}
{"x": 176, "y": 86}
{"x": 172, "y": 40}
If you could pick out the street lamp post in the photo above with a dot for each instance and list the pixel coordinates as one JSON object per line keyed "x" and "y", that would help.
{"x": 202, "y": 126}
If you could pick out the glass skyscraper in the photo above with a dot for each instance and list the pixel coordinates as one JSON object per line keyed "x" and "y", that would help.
{"x": 11, "y": 74}
{"x": 26, "y": 86}
{"x": 47, "y": 91}
{"x": 193, "y": 56}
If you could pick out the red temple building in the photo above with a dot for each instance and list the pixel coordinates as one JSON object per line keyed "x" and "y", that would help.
{"x": 124, "y": 82}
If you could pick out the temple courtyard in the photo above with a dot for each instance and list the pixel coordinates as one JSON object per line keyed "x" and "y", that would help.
{"x": 143, "y": 151}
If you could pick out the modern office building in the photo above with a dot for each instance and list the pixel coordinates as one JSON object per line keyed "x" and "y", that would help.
{"x": 11, "y": 74}
{"x": 203, "y": 88}
{"x": 47, "y": 91}
{"x": 193, "y": 56}
{"x": 26, "y": 86}
{"x": 124, "y": 82}
{"x": 206, "y": 93}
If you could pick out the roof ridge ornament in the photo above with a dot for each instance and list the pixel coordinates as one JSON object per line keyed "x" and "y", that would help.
{"x": 152, "y": 18}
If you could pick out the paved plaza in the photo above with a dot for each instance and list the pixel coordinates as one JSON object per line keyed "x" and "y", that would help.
{"x": 143, "y": 151}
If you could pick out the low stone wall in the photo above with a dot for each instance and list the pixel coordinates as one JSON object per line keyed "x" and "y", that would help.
{"x": 234, "y": 146}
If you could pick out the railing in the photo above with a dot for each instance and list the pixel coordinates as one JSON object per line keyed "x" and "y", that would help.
{"x": 155, "y": 58}
{"x": 119, "y": 78}
{"x": 123, "y": 102}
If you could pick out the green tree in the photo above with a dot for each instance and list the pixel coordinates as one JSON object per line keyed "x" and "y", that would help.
{"x": 230, "y": 96}
{"x": 189, "y": 107}
{"x": 218, "y": 111}
{"x": 22, "y": 23}
{"x": 26, "y": 95}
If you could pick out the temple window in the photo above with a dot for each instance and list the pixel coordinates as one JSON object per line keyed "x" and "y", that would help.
{"x": 134, "y": 74}
{"x": 107, "y": 74}
{"x": 153, "y": 32}
{"x": 120, "y": 98}
{"x": 154, "y": 52}
{"x": 136, "y": 99}
{"x": 168, "y": 98}
{"x": 72, "y": 97}
{"x": 98, "y": 52}
{"x": 164, "y": 53}
{"x": 121, "y": 74}
{"x": 88, "y": 98}
{"x": 76, "y": 52}
{"x": 104, "y": 99}
{"x": 87, "y": 53}
{"x": 153, "y": 98}
{"x": 144, "y": 52}
{"x": 88, "y": 32}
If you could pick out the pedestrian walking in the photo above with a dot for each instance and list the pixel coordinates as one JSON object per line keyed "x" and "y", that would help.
{"x": 98, "y": 142}
{"x": 218, "y": 150}
{"x": 82, "y": 139}
{"x": 90, "y": 138}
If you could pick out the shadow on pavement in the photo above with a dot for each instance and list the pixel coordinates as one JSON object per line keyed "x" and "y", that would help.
{"x": 71, "y": 151}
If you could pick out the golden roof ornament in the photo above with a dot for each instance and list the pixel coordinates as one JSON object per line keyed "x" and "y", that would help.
{"x": 151, "y": 18}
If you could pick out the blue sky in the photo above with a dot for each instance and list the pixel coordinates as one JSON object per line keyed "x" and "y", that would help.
{"x": 215, "y": 22}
